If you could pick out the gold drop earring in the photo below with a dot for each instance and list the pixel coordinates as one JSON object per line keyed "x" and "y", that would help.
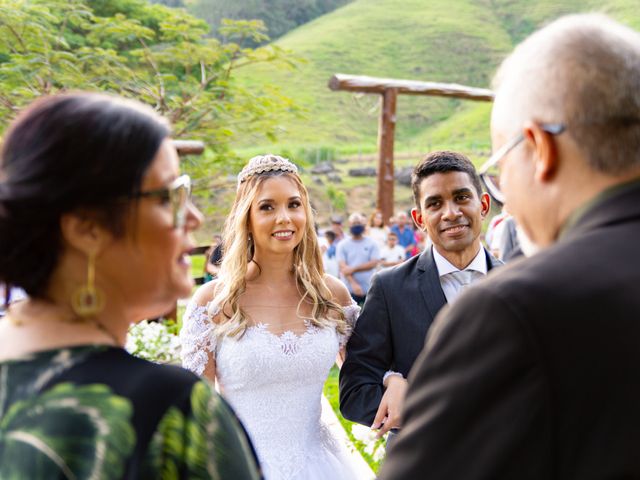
{"x": 87, "y": 300}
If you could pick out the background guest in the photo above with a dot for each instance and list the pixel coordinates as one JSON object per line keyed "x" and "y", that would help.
{"x": 336, "y": 227}
{"x": 329, "y": 258}
{"x": 403, "y": 230}
{"x": 213, "y": 259}
{"x": 358, "y": 258}
{"x": 391, "y": 253}
{"x": 376, "y": 229}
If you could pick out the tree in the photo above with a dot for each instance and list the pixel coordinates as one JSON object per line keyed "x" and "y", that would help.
{"x": 150, "y": 52}
{"x": 279, "y": 16}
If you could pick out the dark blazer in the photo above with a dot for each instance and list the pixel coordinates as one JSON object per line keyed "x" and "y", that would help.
{"x": 400, "y": 306}
{"x": 535, "y": 373}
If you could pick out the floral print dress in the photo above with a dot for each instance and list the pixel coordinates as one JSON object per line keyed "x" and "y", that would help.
{"x": 96, "y": 412}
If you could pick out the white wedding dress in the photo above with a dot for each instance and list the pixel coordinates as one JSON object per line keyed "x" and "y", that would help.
{"x": 274, "y": 383}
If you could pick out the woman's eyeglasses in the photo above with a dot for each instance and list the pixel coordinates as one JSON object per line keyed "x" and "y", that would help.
{"x": 178, "y": 194}
{"x": 489, "y": 172}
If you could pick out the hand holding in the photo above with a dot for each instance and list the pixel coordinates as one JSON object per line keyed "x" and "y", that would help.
{"x": 389, "y": 415}
{"x": 346, "y": 271}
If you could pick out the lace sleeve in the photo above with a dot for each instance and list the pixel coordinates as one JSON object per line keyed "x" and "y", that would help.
{"x": 197, "y": 338}
{"x": 351, "y": 313}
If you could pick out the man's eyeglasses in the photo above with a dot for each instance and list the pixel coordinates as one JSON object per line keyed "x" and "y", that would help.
{"x": 178, "y": 194}
{"x": 489, "y": 172}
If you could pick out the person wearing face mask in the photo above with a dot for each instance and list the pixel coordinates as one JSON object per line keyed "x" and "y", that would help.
{"x": 358, "y": 258}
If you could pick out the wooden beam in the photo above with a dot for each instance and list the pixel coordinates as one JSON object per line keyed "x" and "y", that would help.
{"x": 386, "y": 134}
{"x": 189, "y": 147}
{"x": 390, "y": 88}
{"x": 361, "y": 83}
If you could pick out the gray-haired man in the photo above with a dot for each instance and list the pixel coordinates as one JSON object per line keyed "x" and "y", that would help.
{"x": 532, "y": 375}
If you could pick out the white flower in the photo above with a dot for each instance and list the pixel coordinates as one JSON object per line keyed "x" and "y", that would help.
{"x": 379, "y": 454}
{"x": 153, "y": 341}
{"x": 370, "y": 448}
{"x": 362, "y": 433}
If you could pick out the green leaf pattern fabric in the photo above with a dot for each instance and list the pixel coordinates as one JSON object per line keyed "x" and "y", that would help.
{"x": 85, "y": 431}
{"x": 200, "y": 443}
{"x": 69, "y": 432}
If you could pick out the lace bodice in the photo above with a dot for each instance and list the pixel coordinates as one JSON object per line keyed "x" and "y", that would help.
{"x": 274, "y": 383}
{"x": 198, "y": 336}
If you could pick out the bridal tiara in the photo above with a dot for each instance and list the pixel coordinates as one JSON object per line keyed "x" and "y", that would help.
{"x": 265, "y": 163}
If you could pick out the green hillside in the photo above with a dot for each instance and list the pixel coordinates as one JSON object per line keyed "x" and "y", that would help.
{"x": 459, "y": 41}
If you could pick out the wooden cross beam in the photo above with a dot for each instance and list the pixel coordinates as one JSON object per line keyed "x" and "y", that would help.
{"x": 188, "y": 147}
{"x": 389, "y": 88}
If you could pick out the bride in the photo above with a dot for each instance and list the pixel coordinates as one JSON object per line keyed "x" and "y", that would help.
{"x": 270, "y": 327}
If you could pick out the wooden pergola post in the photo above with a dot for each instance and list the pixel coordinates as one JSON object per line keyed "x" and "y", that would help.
{"x": 386, "y": 137}
{"x": 389, "y": 89}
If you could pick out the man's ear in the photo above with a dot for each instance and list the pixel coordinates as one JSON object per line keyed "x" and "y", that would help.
{"x": 545, "y": 151}
{"x": 416, "y": 215}
{"x": 485, "y": 201}
{"x": 81, "y": 230}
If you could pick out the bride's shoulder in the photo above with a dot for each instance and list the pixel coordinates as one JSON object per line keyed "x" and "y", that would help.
{"x": 205, "y": 293}
{"x": 203, "y": 298}
{"x": 338, "y": 290}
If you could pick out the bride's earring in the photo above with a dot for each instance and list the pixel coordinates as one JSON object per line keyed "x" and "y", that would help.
{"x": 250, "y": 246}
{"x": 88, "y": 300}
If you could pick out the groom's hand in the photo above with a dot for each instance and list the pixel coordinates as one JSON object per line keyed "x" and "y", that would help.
{"x": 388, "y": 415}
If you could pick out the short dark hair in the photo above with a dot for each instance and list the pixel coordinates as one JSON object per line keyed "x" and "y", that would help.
{"x": 330, "y": 234}
{"x": 442, "y": 161}
{"x": 66, "y": 153}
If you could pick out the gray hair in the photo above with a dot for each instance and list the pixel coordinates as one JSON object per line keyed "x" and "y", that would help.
{"x": 357, "y": 217}
{"x": 582, "y": 71}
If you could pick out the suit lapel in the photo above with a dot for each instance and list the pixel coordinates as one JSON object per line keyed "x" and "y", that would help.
{"x": 429, "y": 283}
{"x": 429, "y": 280}
{"x": 492, "y": 262}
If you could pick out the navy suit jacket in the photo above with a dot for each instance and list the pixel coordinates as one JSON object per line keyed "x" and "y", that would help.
{"x": 390, "y": 333}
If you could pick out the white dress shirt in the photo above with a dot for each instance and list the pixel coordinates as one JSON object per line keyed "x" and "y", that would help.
{"x": 453, "y": 280}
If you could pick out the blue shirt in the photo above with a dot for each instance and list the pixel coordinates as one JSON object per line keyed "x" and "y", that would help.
{"x": 405, "y": 238}
{"x": 356, "y": 252}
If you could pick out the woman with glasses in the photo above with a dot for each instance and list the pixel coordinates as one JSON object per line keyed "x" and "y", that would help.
{"x": 269, "y": 328}
{"x": 95, "y": 226}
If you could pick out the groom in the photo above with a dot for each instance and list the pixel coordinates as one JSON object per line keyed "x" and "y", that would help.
{"x": 403, "y": 300}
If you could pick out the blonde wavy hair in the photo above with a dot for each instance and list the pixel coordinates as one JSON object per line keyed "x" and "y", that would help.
{"x": 239, "y": 251}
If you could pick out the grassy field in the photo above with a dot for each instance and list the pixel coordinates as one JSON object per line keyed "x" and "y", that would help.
{"x": 422, "y": 42}
{"x": 439, "y": 40}
{"x": 331, "y": 392}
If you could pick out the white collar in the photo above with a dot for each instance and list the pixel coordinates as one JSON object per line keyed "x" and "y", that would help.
{"x": 478, "y": 264}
